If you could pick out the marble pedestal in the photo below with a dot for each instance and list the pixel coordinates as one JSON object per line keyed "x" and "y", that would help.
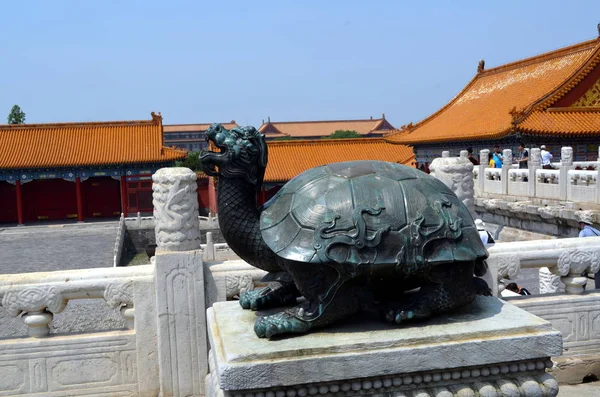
{"x": 490, "y": 348}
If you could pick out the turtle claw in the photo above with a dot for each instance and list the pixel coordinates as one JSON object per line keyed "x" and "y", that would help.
{"x": 267, "y": 297}
{"x": 399, "y": 316}
{"x": 279, "y": 323}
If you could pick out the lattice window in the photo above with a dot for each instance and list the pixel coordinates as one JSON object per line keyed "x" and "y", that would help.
{"x": 591, "y": 98}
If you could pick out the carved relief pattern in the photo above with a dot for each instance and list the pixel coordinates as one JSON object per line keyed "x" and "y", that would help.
{"x": 523, "y": 379}
{"x": 577, "y": 261}
{"x": 236, "y": 285}
{"x": 591, "y": 98}
{"x": 117, "y": 294}
{"x": 566, "y": 156}
{"x": 176, "y": 209}
{"x": 508, "y": 155}
{"x": 548, "y": 282}
{"x": 34, "y": 299}
{"x": 484, "y": 157}
{"x": 535, "y": 157}
{"x": 457, "y": 174}
{"x": 508, "y": 266}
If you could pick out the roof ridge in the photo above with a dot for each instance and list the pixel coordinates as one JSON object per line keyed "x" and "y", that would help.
{"x": 411, "y": 127}
{"x": 298, "y": 142}
{"x": 320, "y": 121}
{"x": 178, "y": 125}
{"x": 77, "y": 124}
{"x": 584, "y": 45}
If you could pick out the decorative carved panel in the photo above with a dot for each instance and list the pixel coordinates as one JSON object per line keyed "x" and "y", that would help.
{"x": 591, "y": 98}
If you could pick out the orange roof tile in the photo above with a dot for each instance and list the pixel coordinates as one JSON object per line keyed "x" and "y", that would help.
{"x": 495, "y": 98}
{"x": 289, "y": 158}
{"x": 305, "y": 129}
{"x": 84, "y": 144}
{"x": 573, "y": 122}
{"x": 169, "y": 128}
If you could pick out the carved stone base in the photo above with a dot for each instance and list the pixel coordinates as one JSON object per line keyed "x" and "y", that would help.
{"x": 489, "y": 349}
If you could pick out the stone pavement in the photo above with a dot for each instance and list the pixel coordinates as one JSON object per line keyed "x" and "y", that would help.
{"x": 582, "y": 390}
{"x": 49, "y": 247}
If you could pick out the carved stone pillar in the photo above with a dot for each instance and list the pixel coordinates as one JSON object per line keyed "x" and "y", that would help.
{"x": 457, "y": 174}
{"x": 506, "y": 165}
{"x": 549, "y": 282}
{"x": 534, "y": 163}
{"x": 176, "y": 209}
{"x": 484, "y": 161}
{"x": 566, "y": 164}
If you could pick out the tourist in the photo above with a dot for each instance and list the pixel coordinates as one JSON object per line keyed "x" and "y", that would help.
{"x": 472, "y": 158}
{"x": 517, "y": 289}
{"x": 497, "y": 157}
{"x": 523, "y": 159}
{"x": 546, "y": 158}
{"x": 587, "y": 230}
{"x": 486, "y": 237}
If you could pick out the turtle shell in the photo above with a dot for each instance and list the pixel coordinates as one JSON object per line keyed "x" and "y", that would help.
{"x": 369, "y": 212}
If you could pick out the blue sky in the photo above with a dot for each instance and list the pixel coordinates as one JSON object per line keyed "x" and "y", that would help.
{"x": 206, "y": 61}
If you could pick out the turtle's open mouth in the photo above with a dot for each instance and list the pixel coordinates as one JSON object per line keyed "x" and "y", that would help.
{"x": 211, "y": 160}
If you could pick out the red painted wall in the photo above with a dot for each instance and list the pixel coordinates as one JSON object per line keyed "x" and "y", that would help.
{"x": 203, "y": 197}
{"x": 8, "y": 202}
{"x": 101, "y": 197}
{"x": 49, "y": 199}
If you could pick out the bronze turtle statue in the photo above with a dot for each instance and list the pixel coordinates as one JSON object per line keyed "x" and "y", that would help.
{"x": 346, "y": 236}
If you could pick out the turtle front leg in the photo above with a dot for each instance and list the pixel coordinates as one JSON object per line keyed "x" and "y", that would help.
{"x": 275, "y": 294}
{"x": 456, "y": 288}
{"x": 307, "y": 315}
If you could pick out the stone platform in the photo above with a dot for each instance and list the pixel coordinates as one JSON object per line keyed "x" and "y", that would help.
{"x": 491, "y": 347}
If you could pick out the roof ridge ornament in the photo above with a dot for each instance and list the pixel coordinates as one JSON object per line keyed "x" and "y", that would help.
{"x": 481, "y": 66}
{"x": 598, "y": 30}
{"x": 156, "y": 117}
{"x": 517, "y": 115}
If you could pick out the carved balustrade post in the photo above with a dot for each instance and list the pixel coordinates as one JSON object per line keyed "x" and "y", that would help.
{"x": 549, "y": 281}
{"x": 209, "y": 250}
{"x": 457, "y": 174}
{"x": 506, "y": 165}
{"x": 484, "y": 161}
{"x": 534, "y": 163}
{"x": 176, "y": 209}
{"x": 179, "y": 284}
{"x": 566, "y": 164}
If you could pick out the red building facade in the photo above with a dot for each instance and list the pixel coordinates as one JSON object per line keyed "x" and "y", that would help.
{"x": 80, "y": 170}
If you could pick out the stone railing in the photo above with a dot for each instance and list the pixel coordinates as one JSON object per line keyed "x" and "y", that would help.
{"x": 568, "y": 180}
{"x": 118, "y": 250}
{"x": 560, "y": 259}
{"x": 163, "y": 348}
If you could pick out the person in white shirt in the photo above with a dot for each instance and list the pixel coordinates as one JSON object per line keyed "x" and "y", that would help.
{"x": 546, "y": 157}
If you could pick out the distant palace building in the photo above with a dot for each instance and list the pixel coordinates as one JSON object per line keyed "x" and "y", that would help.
{"x": 367, "y": 128}
{"x": 551, "y": 99}
{"x": 80, "y": 170}
{"x": 191, "y": 137}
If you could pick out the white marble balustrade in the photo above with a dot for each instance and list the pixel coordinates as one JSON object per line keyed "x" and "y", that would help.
{"x": 566, "y": 259}
{"x": 569, "y": 180}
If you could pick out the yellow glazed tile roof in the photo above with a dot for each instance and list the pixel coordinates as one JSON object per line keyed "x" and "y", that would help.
{"x": 574, "y": 122}
{"x": 495, "y": 100}
{"x": 305, "y": 129}
{"x": 289, "y": 158}
{"x": 84, "y": 144}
